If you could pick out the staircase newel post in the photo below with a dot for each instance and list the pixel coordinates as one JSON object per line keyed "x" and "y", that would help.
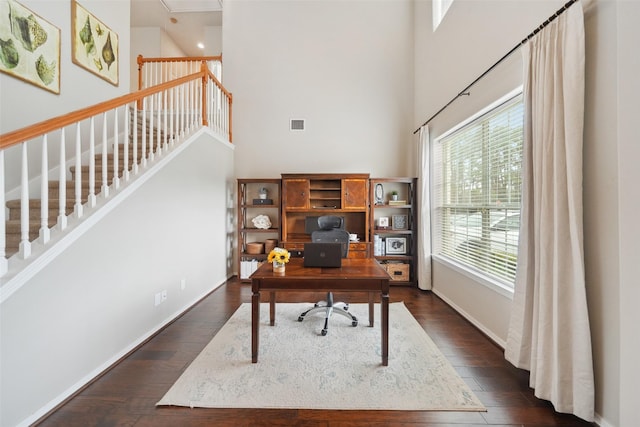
{"x": 140, "y": 65}
{"x": 205, "y": 80}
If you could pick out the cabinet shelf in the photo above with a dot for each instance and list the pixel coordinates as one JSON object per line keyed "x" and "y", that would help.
{"x": 403, "y": 265}
{"x": 260, "y": 206}
{"x": 390, "y": 231}
{"x": 392, "y": 206}
{"x": 305, "y": 196}
{"x": 394, "y": 257}
{"x": 249, "y": 190}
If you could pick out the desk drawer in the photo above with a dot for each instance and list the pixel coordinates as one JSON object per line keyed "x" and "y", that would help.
{"x": 356, "y": 250}
{"x": 359, "y": 250}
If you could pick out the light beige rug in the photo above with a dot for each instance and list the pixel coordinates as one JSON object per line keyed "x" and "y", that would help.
{"x": 299, "y": 368}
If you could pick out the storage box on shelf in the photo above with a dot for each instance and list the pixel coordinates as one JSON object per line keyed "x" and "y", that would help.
{"x": 258, "y": 222}
{"x": 308, "y": 196}
{"x": 398, "y": 271}
{"x": 393, "y": 226}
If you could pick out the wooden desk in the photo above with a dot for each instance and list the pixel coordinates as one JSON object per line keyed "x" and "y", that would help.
{"x": 355, "y": 275}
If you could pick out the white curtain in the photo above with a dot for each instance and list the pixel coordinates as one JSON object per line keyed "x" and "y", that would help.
{"x": 424, "y": 211}
{"x": 549, "y": 330}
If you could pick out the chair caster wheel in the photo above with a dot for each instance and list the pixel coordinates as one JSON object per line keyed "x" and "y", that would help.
{"x": 324, "y": 332}
{"x": 300, "y": 319}
{"x": 354, "y": 324}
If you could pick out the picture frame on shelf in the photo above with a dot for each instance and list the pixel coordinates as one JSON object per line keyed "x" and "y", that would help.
{"x": 396, "y": 245}
{"x": 379, "y": 194}
{"x": 399, "y": 222}
{"x": 382, "y": 223}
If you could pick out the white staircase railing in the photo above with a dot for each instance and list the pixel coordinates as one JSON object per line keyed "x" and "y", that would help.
{"x": 128, "y": 132}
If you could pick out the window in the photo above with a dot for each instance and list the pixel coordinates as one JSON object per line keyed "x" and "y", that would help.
{"x": 477, "y": 187}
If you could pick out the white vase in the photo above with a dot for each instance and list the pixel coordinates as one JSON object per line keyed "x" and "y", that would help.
{"x": 278, "y": 267}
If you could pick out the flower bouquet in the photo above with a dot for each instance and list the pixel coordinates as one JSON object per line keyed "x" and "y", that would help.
{"x": 279, "y": 257}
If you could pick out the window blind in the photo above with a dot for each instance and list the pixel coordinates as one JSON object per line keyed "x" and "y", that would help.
{"x": 478, "y": 178}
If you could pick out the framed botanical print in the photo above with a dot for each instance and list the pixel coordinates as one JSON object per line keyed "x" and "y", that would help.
{"x": 29, "y": 46}
{"x": 94, "y": 45}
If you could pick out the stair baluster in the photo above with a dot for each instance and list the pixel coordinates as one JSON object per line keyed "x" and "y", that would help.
{"x": 45, "y": 233}
{"x": 62, "y": 188}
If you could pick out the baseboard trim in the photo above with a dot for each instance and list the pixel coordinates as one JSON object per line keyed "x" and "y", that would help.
{"x": 493, "y": 337}
{"x": 101, "y": 370}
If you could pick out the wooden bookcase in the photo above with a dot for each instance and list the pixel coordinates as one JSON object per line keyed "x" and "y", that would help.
{"x": 393, "y": 227}
{"x": 307, "y": 196}
{"x": 297, "y": 199}
{"x": 250, "y": 206}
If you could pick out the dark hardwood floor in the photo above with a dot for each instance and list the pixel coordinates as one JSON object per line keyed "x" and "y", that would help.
{"x": 126, "y": 395}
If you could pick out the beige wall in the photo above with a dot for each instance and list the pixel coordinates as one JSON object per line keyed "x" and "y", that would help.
{"x": 445, "y": 64}
{"x": 628, "y": 66}
{"x": 94, "y": 302}
{"x": 346, "y": 67}
{"x": 280, "y": 65}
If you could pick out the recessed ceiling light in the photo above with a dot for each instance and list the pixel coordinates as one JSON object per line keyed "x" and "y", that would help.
{"x": 201, "y": 46}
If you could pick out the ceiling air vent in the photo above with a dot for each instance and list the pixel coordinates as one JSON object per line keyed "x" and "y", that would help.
{"x": 297, "y": 124}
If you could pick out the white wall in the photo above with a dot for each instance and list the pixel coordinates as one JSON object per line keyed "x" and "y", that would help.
{"x": 213, "y": 41}
{"x": 150, "y": 42}
{"x": 95, "y": 302}
{"x": 346, "y": 67}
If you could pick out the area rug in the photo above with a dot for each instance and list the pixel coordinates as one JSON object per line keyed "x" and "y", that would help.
{"x": 300, "y": 369}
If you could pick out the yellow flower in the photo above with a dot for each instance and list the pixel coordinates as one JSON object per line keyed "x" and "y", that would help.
{"x": 280, "y": 255}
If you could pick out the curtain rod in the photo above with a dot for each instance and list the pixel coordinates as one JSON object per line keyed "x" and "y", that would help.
{"x": 533, "y": 33}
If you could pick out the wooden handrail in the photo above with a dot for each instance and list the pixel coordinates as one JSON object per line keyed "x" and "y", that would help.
{"x": 152, "y": 119}
{"x": 217, "y": 82}
{"x": 15, "y": 137}
{"x": 142, "y": 59}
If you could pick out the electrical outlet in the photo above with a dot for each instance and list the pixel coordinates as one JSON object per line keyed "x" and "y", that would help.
{"x": 183, "y": 284}
{"x": 158, "y": 299}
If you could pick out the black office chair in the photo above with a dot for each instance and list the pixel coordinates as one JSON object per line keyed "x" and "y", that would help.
{"x": 331, "y": 230}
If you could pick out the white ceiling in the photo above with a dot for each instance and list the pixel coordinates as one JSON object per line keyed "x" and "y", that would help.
{"x": 192, "y": 18}
{"x": 192, "y": 5}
